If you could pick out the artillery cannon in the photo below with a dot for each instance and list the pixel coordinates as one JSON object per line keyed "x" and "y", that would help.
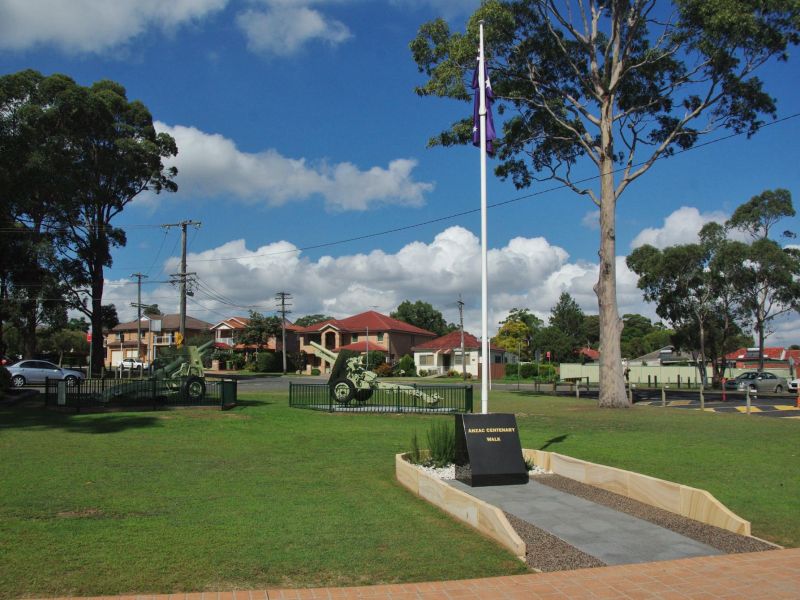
{"x": 183, "y": 375}
{"x": 349, "y": 380}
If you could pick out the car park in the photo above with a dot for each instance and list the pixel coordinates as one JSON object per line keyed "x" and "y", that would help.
{"x": 27, "y": 372}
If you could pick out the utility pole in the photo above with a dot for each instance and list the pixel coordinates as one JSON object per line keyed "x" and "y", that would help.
{"x": 461, "y": 319}
{"x": 282, "y": 298}
{"x": 138, "y": 305}
{"x": 183, "y": 275}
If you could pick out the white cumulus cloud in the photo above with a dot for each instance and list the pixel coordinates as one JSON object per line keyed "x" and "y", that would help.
{"x": 91, "y": 26}
{"x": 281, "y": 28}
{"x": 680, "y": 227}
{"x": 211, "y": 165}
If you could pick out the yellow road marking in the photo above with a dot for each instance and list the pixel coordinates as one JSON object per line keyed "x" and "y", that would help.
{"x": 743, "y": 409}
{"x": 786, "y": 407}
{"x": 679, "y": 402}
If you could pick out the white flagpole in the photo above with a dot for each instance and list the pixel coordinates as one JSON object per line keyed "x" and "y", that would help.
{"x": 487, "y": 363}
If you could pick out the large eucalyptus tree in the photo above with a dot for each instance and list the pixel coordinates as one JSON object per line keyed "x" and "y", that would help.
{"x": 615, "y": 83}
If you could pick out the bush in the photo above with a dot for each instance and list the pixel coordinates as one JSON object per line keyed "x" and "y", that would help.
{"x": 238, "y": 361}
{"x": 527, "y": 370}
{"x": 415, "y": 456}
{"x": 384, "y": 370}
{"x": 442, "y": 443}
{"x": 406, "y": 367}
{"x": 547, "y": 373}
{"x": 315, "y": 371}
{"x": 512, "y": 369}
{"x": 269, "y": 362}
{"x": 422, "y": 373}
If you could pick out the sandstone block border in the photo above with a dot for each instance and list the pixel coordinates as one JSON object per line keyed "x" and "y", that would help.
{"x": 484, "y": 517}
{"x": 681, "y": 499}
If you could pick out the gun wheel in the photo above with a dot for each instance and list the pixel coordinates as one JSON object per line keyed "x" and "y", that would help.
{"x": 363, "y": 395}
{"x": 194, "y": 389}
{"x": 343, "y": 391}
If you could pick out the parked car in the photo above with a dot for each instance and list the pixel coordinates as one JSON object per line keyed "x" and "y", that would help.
{"x": 36, "y": 371}
{"x": 132, "y": 363}
{"x": 762, "y": 382}
{"x": 747, "y": 376}
{"x": 793, "y": 385}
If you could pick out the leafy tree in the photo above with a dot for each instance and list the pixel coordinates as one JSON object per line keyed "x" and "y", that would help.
{"x": 151, "y": 310}
{"x": 768, "y": 280}
{"x": 260, "y": 329}
{"x": 422, "y": 314}
{"x": 515, "y": 336}
{"x": 591, "y": 325}
{"x": 373, "y": 359}
{"x": 613, "y": 84}
{"x": 79, "y": 324}
{"x": 63, "y": 341}
{"x": 557, "y": 342}
{"x": 309, "y": 320}
{"x": 109, "y": 317}
{"x": 567, "y": 317}
{"x": 102, "y": 151}
{"x": 406, "y": 366}
{"x": 526, "y": 316}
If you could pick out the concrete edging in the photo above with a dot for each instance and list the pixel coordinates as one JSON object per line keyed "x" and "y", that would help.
{"x": 683, "y": 500}
{"x": 484, "y": 517}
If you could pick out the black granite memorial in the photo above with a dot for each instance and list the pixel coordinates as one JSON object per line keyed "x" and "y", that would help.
{"x": 490, "y": 445}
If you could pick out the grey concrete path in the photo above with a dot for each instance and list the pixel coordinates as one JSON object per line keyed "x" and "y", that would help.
{"x": 610, "y": 536}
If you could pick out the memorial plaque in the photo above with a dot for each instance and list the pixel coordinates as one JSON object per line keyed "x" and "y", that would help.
{"x": 490, "y": 445}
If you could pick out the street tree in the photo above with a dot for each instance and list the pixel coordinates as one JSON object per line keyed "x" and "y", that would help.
{"x": 151, "y": 310}
{"x": 516, "y": 337}
{"x": 616, "y": 85}
{"x": 260, "y": 329}
{"x": 424, "y": 315}
{"x": 308, "y": 320}
{"x": 768, "y": 279}
{"x": 567, "y": 317}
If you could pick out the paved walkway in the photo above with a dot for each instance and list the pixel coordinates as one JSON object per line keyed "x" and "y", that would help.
{"x": 773, "y": 575}
{"x": 613, "y": 537}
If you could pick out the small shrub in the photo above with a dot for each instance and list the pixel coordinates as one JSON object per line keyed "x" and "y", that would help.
{"x": 406, "y": 367}
{"x": 453, "y": 373}
{"x": 315, "y": 371}
{"x": 529, "y": 464}
{"x": 383, "y": 370}
{"x": 269, "y": 362}
{"x": 423, "y": 373}
{"x": 442, "y": 443}
{"x": 238, "y": 361}
{"x": 512, "y": 369}
{"x": 527, "y": 370}
{"x": 415, "y": 456}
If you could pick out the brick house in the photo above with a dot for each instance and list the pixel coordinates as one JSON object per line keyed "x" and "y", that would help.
{"x": 158, "y": 331}
{"x": 444, "y": 354}
{"x": 227, "y": 331}
{"x": 368, "y": 329}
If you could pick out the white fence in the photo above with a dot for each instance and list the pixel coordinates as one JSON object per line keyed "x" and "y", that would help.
{"x": 653, "y": 375}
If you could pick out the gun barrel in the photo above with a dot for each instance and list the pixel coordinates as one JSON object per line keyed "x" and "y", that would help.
{"x": 205, "y": 346}
{"x": 323, "y": 352}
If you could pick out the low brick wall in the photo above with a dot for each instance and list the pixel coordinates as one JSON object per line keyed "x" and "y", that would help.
{"x": 681, "y": 499}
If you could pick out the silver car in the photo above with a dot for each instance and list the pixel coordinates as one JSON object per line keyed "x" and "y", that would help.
{"x": 36, "y": 371}
{"x": 764, "y": 382}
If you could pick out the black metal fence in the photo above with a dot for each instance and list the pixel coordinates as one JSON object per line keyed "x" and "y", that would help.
{"x": 444, "y": 399}
{"x": 110, "y": 394}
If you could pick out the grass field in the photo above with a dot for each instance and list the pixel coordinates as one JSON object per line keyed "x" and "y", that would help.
{"x": 264, "y": 495}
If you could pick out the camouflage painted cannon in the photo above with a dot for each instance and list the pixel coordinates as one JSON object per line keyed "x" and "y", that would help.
{"x": 349, "y": 380}
{"x": 183, "y": 375}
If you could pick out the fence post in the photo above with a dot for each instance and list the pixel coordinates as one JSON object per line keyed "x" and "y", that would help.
{"x": 290, "y": 394}
{"x": 663, "y": 397}
{"x": 702, "y": 398}
{"x": 748, "y": 399}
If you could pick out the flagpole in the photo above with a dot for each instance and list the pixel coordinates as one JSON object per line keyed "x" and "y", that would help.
{"x": 487, "y": 364}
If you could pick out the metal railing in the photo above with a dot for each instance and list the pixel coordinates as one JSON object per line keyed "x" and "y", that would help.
{"x": 432, "y": 399}
{"x": 109, "y": 394}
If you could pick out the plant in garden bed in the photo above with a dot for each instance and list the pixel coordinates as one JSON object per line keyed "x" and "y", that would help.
{"x": 441, "y": 447}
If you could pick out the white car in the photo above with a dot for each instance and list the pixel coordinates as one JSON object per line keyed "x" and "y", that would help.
{"x": 793, "y": 385}
{"x": 132, "y": 363}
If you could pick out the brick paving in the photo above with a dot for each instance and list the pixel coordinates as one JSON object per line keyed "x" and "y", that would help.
{"x": 772, "y": 575}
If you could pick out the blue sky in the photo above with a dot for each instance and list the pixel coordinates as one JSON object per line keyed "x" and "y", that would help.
{"x": 297, "y": 125}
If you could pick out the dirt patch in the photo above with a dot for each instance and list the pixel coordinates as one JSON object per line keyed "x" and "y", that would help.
{"x": 86, "y": 513}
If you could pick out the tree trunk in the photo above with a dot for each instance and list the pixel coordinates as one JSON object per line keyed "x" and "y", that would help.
{"x": 96, "y": 349}
{"x": 702, "y": 367}
{"x": 612, "y": 382}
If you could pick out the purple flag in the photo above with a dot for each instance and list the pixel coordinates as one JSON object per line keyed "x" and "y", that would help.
{"x": 476, "y": 119}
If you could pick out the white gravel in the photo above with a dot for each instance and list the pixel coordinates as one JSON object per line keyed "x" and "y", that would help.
{"x": 449, "y": 472}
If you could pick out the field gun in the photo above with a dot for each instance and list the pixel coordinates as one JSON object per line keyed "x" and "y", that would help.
{"x": 350, "y": 380}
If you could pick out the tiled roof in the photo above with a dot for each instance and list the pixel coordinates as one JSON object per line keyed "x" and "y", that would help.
{"x": 362, "y": 347}
{"x": 772, "y": 353}
{"x": 590, "y": 353}
{"x": 170, "y": 322}
{"x": 374, "y": 321}
{"x": 452, "y": 341}
{"x": 233, "y": 322}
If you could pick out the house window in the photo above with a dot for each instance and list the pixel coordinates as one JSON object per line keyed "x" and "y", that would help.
{"x": 457, "y": 358}
{"x": 380, "y": 337}
{"x": 425, "y": 360}
{"x": 498, "y": 358}
{"x": 354, "y": 338}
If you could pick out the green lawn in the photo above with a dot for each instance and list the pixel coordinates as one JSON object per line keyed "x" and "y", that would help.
{"x": 264, "y": 495}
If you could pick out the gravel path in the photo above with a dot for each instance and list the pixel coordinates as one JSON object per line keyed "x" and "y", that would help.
{"x": 546, "y": 552}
